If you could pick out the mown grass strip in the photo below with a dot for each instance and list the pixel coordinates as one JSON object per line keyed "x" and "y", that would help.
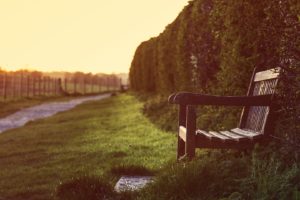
{"x": 94, "y": 139}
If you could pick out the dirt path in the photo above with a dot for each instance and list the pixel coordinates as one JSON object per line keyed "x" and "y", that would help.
{"x": 21, "y": 117}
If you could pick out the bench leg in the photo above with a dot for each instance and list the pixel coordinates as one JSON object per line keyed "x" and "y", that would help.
{"x": 182, "y": 122}
{"x": 190, "y": 149}
{"x": 180, "y": 148}
{"x": 190, "y": 146}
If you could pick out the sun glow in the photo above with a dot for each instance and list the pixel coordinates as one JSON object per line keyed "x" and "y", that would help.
{"x": 79, "y": 35}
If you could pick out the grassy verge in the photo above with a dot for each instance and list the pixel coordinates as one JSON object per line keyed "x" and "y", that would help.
{"x": 80, "y": 154}
{"x": 270, "y": 172}
{"x": 97, "y": 139}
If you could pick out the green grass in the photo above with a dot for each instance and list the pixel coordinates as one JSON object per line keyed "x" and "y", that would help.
{"x": 80, "y": 154}
{"x": 96, "y": 139}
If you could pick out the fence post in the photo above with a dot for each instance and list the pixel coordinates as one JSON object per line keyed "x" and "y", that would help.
{"x": 66, "y": 85}
{"x": 120, "y": 83}
{"x": 27, "y": 86}
{"x": 52, "y": 86}
{"x": 107, "y": 84}
{"x": 44, "y": 86}
{"x": 60, "y": 87}
{"x": 99, "y": 84}
{"x": 40, "y": 86}
{"x": 55, "y": 86}
{"x": 4, "y": 85}
{"x": 21, "y": 85}
{"x": 92, "y": 87}
{"x": 116, "y": 83}
{"x": 75, "y": 85}
{"x": 33, "y": 86}
{"x": 49, "y": 86}
{"x": 84, "y": 88}
{"x": 12, "y": 85}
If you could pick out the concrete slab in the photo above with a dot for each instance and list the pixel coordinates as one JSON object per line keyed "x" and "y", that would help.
{"x": 132, "y": 183}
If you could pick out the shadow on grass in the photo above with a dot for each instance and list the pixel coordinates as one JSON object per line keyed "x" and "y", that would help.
{"x": 90, "y": 188}
{"x": 85, "y": 188}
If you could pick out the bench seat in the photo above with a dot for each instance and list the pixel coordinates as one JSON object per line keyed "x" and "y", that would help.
{"x": 255, "y": 125}
{"x": 234, "y": 138}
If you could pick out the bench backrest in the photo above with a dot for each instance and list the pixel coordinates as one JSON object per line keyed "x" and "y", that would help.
{"x": 255, "y": 118}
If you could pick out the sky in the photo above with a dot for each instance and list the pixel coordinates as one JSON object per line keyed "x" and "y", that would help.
{"x": 79, "y": 35}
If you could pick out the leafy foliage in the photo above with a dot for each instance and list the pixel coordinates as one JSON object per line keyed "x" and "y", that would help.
{"x": 213, "y": 47}
{"x": 227, "y": 176}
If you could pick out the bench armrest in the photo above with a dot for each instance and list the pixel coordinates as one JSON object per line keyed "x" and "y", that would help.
{"x": 186, "y": 98}
{"x": 171, "y": 98}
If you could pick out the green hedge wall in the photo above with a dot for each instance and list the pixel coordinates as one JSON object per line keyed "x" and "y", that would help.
{"x": 213, "y": 47}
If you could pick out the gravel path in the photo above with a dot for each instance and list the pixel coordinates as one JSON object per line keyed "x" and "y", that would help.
{"x": 21, "y": 117}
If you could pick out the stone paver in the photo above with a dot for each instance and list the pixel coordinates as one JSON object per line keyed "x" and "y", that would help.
{"x": 131, "y": 183}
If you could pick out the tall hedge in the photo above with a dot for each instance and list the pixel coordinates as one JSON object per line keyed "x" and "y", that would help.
{"x": 213, "y": 47}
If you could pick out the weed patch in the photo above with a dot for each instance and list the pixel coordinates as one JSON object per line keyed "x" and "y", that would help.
{"x": 83, "y": 188}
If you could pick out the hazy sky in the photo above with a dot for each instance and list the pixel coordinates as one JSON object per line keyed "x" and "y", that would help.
{"x": 79, "y": 35}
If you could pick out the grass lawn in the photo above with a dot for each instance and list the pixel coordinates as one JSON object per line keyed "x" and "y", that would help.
{"x": 98, "y": 139}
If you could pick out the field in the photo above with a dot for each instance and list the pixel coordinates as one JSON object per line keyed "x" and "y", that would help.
{"x": 97, "y": 139}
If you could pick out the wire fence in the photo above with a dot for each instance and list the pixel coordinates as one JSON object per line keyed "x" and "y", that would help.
{"x": 14, "y": 85}
{"x": 91, "y": 85}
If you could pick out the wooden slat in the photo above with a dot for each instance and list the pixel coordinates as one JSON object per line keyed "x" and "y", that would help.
{"x": 186, "y": 98}
{"x": 257, "y": 115}
{"x": 256, "y": 118}
{"x": 218, "y": 135}
{"x": 232, "y": 135}
{"x": 265, "y": 87}
{"x": 245, "y": 133}
{"x": 205, "y": 134}
{"x": 182, "y": 133}
{"x": 245, "y": 111}
{"x": 265, "y": 75}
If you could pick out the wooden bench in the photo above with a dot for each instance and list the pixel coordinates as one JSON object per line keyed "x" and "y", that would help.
{"x": 256, "y": 122}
